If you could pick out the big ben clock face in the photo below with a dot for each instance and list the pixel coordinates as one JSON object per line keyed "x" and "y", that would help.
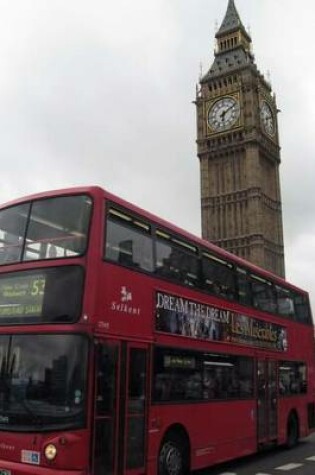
{"x": 266, "y": 117}
{"x": 223, "y": 114}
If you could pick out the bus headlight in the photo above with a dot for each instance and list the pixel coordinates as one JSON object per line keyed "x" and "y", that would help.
{"x": 50, "y": 451}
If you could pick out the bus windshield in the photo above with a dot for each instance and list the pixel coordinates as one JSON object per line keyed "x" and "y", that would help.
{"x": 42, "y": 382}
{"x": 44, "y": 229}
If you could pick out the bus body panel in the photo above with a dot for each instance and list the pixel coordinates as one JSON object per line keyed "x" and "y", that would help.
{"x": 26, "y": 451}
{"x": 216, "y": 430}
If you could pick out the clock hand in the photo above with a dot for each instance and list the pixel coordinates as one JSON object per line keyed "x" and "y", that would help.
{"x": 222, "y": 115}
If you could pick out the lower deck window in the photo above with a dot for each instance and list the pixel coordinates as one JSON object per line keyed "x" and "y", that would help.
{"x": 292, "y": 378}
{"x": 181, "y": 375}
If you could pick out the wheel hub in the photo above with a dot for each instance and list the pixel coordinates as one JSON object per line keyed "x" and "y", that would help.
{"x": 173, "y": 461}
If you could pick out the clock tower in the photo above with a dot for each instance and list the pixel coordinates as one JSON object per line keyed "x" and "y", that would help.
{"x": 239, "y": 153}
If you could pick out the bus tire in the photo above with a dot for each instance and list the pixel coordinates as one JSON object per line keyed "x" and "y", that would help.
{"x": 292, "y": 431}
{"x": 173, "y": 456}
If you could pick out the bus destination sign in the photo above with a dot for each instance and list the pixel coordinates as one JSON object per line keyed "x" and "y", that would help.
{"x": 22, "y": 296}
{"x": 181, "y": 316}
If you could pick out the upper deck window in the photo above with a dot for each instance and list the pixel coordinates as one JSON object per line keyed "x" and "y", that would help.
{"x": 263, "y": 294}
{"x": 45, "y": 229}
{"x": 218, "y": 276}
{"x": 128, "y": 241}
{"x": 176, "y": 259}
{"x": 243, "y": 286}
{"x": 285, "y": 302}
{"x": 302, "y": 308}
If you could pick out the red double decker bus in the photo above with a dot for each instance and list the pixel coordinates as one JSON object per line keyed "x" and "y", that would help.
{"x": 128, "y": 346}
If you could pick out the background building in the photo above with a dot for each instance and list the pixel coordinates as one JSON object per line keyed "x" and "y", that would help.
{"x": 239, "y": 153}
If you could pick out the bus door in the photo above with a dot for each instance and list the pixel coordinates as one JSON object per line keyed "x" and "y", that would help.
{"x": 267, "y": 401}
{"x": 120, "y": 408}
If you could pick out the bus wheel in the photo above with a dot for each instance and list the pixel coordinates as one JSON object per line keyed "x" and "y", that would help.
{"x": 292, "y": 431}
{"x": 172, "y": 458}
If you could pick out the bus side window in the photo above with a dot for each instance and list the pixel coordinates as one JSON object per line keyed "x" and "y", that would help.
{"x": 302, "y": 308}
{"x": 181, "y": 375}
{"x": 125, "y": 253}
{"x": 285, "y": 302}
{"x": 292, "y": 378}
{"x": 176, "y": 259}
{"x": 243, "y": 287}
{"x": 165, "y": 260}
{"x": 218, "y": 276}
{"x": 129, "y": 243}
{"x": 264, "y": 296}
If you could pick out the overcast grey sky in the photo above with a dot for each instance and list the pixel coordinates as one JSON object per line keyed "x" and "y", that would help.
{"x": 100, "y": 92}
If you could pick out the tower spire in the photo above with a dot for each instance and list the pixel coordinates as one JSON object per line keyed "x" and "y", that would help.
{"x": 231, "y": 22}
{"x": 233, "y": 48}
